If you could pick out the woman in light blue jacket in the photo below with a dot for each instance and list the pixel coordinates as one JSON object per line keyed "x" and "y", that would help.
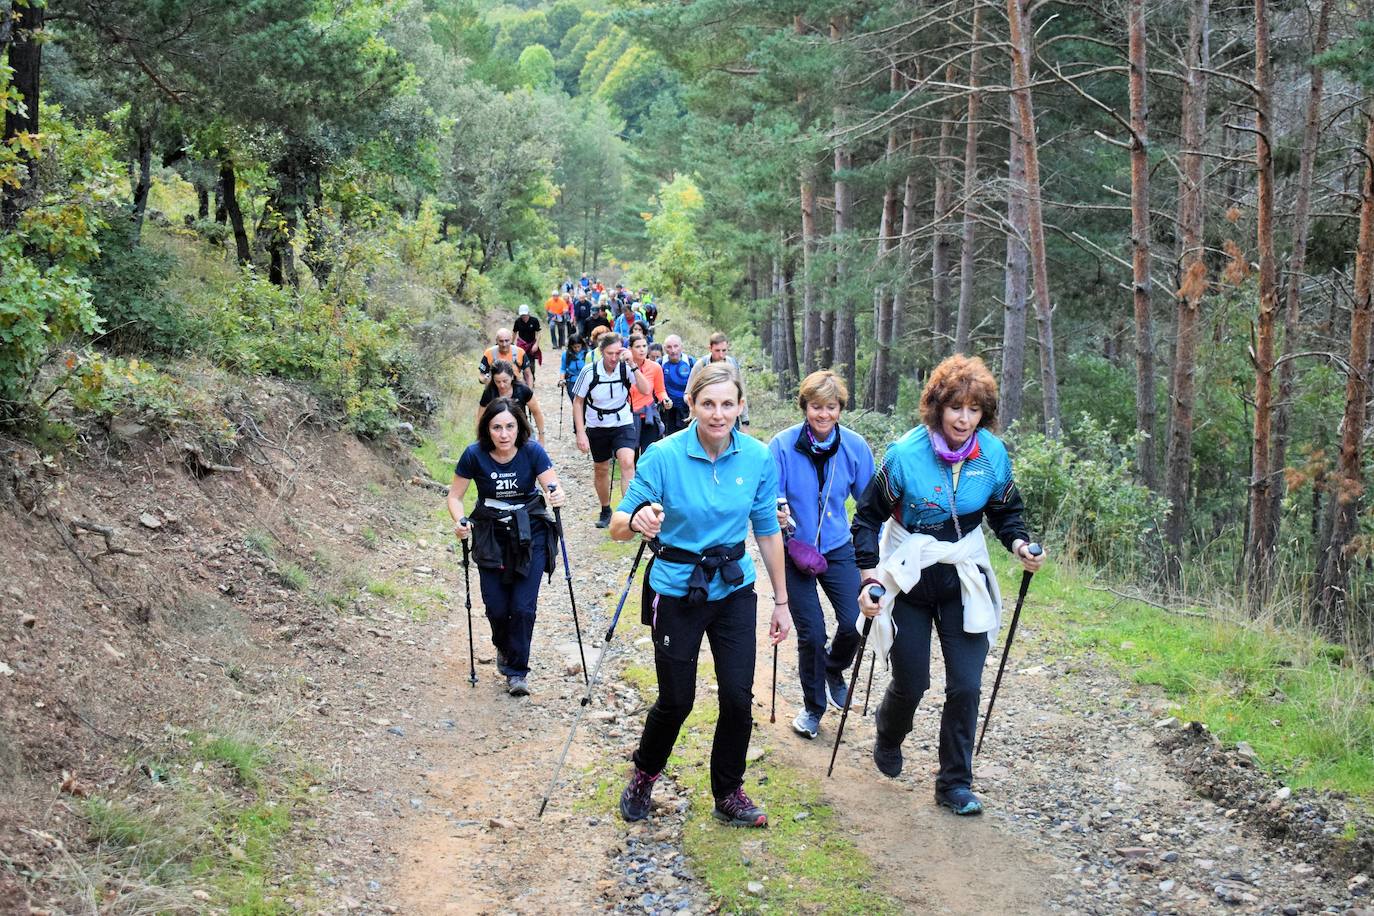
{"x": 820, "y": 465}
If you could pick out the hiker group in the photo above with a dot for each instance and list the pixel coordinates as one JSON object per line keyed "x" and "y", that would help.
{"x": 911, "y": 561}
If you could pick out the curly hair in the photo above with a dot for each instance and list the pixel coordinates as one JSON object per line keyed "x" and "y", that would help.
{"x": 960, "y": 379}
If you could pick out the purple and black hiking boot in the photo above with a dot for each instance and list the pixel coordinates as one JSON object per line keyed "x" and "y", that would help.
{"x": 738, "y": 811}
{"x": 634, "y": 801}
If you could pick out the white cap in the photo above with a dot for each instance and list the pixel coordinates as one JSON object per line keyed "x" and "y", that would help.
{"x": 524, "y": 310}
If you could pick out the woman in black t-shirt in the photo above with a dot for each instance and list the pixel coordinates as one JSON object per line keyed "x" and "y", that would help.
{"x": 504, "y": 385}
{"x": 514, "y": 538}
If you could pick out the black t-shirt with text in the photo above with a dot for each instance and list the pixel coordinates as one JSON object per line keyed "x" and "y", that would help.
{"x": 515, "y": 480}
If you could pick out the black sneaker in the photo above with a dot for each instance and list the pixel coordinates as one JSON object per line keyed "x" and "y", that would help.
{"x": 888, "y": 759}
{"x": 960, "y": 800}
{"x": 634, "y": 801}
{"x": 738, "y": 811}
{"x": 605, "y": 520}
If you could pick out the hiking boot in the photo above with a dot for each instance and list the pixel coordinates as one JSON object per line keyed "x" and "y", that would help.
{"x": 634, "y": 801}
{"x": 605, "y": 520}
{"x": 839, "y": 690}
{"x": 738, "y": 811}
{"x": 806, "y": 724}
{"x": 517, "y": 686}
{"x": 888, "y": 759}
{"x": 960, "y": 800}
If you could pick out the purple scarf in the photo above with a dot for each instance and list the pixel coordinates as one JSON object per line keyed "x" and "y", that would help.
{"x": 952, "y": 455}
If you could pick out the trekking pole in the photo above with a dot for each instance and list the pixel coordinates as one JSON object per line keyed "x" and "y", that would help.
{"x": 567, "y": 574}
{"x": 875, "y": 592}
{"x": 467, "y": 600}
{"x": 1035, "y": 551}
{"x": 873, "y": 663}
{"x": 773, "y": 711}
{"x": 596, "y": 674}
{"x": 561, "y": 399}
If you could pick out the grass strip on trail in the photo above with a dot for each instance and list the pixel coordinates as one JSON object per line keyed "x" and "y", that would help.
{"x": 1306, "y": 711}
{"x": 805, "y": 860}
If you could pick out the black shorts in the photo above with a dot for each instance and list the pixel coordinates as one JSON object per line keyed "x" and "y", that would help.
{"x": 607, "y": 440}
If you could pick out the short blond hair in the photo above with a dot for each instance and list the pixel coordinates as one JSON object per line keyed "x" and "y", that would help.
{"x": 713, "y": 374}
{"x": 821, "y": 386}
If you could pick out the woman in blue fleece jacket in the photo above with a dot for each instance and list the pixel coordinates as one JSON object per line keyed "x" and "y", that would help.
{"x": 820, "y": 465}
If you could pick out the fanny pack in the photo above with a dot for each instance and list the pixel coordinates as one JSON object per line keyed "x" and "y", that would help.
{"x": 805, "y": 556}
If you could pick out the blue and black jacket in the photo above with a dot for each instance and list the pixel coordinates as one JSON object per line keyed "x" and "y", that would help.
{"x": 913, "y": 488}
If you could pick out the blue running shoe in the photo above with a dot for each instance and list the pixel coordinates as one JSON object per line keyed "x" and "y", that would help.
{"x": 839, "y": 690}
{"x": 959, "y": 800}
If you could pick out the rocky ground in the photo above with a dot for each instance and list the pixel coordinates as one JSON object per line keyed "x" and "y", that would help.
{"x": 429, "y": 787}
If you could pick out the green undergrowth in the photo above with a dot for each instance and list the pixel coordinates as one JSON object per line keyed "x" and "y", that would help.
{"x": 197, "y": 828}
{"x": 1298, "y": 701}
{"x": 453, "y": 426}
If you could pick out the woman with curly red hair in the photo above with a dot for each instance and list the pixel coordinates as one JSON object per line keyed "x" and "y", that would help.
{"x": 940, "y": 481}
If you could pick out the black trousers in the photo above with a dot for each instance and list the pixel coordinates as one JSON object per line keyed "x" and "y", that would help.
{"x": 729, "y": 624}
{"x": 964, "y": 656}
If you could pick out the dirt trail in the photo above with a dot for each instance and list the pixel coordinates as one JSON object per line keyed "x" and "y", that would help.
{"x": 1083, "y": 812}
{"x": 472, "y": 843}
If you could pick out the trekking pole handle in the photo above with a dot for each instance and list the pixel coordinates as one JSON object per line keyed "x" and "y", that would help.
{"x": 876, "y": 592}
{"x": 1034, "y": 549}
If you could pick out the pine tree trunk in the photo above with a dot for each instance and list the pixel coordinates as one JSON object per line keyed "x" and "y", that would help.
{"x": 883, "y": 377}
{"x": 901, "y": 294}
{"x": 25, "y": 58}
{"x": 1178, "y": 462}
{"x": 811, "y": 316}
{"x": 1332, "y": 582}
{"x": 1140, "y": 252}
{"x": 229, "y": 192}
{"x": 1016, "y": 281}
{"x": 940, "y": 250}
{"x": 1020, "y": 39}
{"x": 964, "y": 319}
{"x": 1297, "y": 261}
{"x": 1261, "y": 553}
{"x": 845, "y": 353}
{"x": 143, "y": 134}
{"x": 789, "y": 322}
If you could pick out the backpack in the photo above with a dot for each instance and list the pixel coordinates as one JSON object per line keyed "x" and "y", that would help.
{"x": 517, "y": 357}
{"x": 597, "y": 379}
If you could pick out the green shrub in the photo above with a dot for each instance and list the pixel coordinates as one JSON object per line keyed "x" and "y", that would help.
{"x": 1084, "y": 494}
{"x": 127, "y": 288}
{"x": 44, "y": 296}
{"x": 364, "y": 366}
